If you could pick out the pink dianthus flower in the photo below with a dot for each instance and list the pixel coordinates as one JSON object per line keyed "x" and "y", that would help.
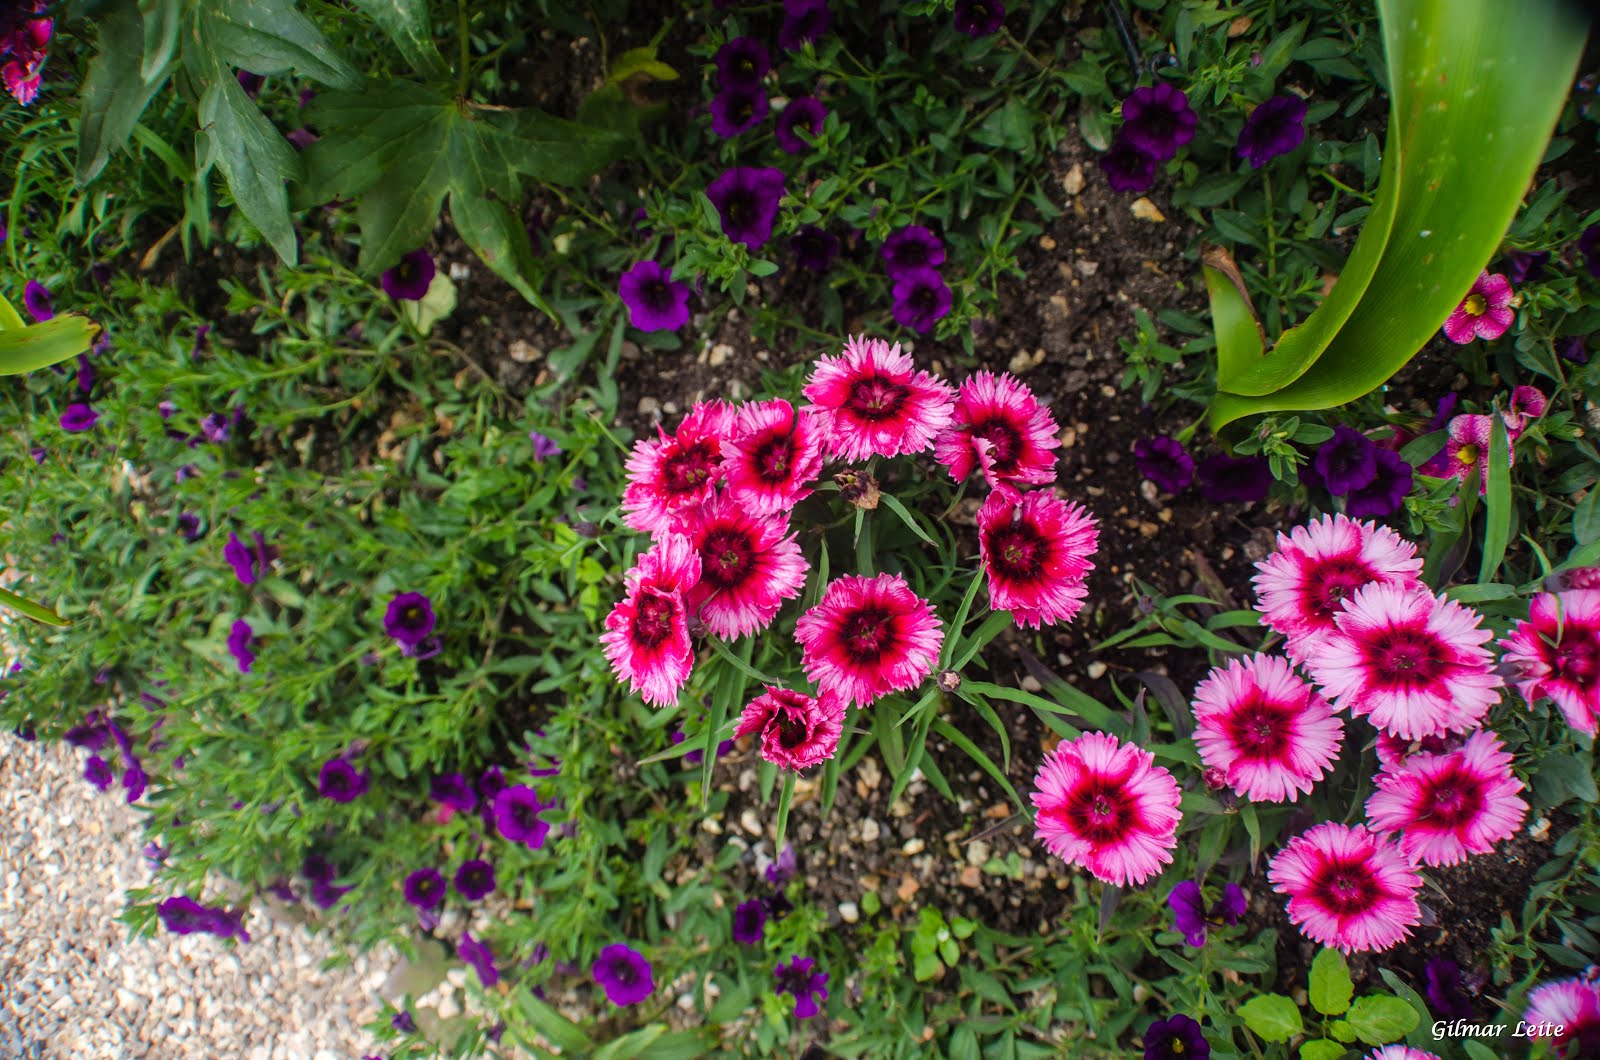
{"x": 1573, "y": 1005}
{"x": 871, "y": 400}
{"x": 868, "y": 637}
{"x": 1035, "y": 550}
{"x": 1269, "y": 732}
{"x": 797, "y": 731}
{"x": 647, "y": 634}
{"x": 998, "y": 426}
{"x": 1347, "y": 887}
{"x": 671, "y": 474}
{"x": 1448, "y": 806}
{"x": 772, "y": 456}
{"x": 749, "y": 565}
{"x": 1556, "y": 653}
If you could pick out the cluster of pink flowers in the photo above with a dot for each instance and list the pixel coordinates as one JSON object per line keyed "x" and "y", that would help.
{"x": 716, "y": 497}
{"x": 24, "y": 45}
{"x": 1470, "y": 437}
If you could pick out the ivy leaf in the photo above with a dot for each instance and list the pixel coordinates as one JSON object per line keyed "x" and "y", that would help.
{"x": 1272, "y": 1017}
{"x": 257, "y": 161}
{"x": 1331, "y": 988}
{"x": 115, "y": 92}
{"x": 1378, "y": 1019}
{"x": 271, "y": 37}
{"x": 406, "y": 23}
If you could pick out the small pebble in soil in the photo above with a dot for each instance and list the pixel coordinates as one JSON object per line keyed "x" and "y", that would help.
{"x": 1096, "y": 670}
{"x": 849, "y": 912}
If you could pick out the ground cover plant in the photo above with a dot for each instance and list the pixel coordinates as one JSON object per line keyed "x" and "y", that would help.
{"x": 759, "y": 530}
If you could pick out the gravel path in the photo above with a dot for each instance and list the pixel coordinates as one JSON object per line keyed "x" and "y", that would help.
{"x": 72, "y": 985}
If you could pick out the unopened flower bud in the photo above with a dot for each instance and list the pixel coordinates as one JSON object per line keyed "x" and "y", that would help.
{"x": 949, "y": 680}
{"x": 1215, "y": 778}
{"x": 858, "y": 488}
{"x": 585, "y": 528}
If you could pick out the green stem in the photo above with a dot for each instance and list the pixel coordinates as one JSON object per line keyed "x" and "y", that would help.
{"x": 464, "y": 74}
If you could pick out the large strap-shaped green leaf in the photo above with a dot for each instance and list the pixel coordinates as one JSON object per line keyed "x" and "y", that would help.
{"x": 36, "y": 346}
{"x": 1476, "y": 88}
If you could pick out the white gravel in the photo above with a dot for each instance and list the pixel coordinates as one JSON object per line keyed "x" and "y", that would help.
{"x": 73, "y": 985}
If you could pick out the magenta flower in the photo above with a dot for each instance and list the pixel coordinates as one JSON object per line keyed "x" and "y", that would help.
{"x": 1235, "y": 479}
{"x": 1269, "y": 732}
{"x": 911, "y": 249}
{"x": 921, "y": 299}
{"x": 746, "y": 198}
{"x": 1164, "y": 462}
{"x": 1157, "y": 119}
{"x": 239, "y": 638}
{"x": 871, "y": 400}
{"x": 36, "y": 300}
{"x": 340, "y": 781}
{"x": 475, "y": 879}
{"x": 409, "y": 279}
{"x": 1347, "y": 888}
{"x": 771, "y": 457}
{"x": 78, "y": 418}
{"x": 979, "y": 18}
{"x": 1107, "y": 807}
{"x": 1445, "y": 807}
{"x": 1035, "y": 550}
{"x": 655, "y": 301}
{"x": 1346, "y": 462}
{"x": 804, "y": 112}
{"x": 1274, "y": 128}
{"x": 804, "y": 21}
{"x": 1485, "y": 312}
{"x": 409, "y": 619}
{"x": 749, "y": 565}
{"x": 425, "y": 888}
{"x": 516, "y": 816}
{"x": 670, "y": 475}
{"x": 797, "y": 732}
{"x": 1566, "y": 1014}
{"x": 647, "y": 634}
{"x": 1127, "y": 168}
{"x": 25, "y": 46}
{"x": 624, "y": 974}
{"x": 742, "y": 63}
{"x": 1466, "y": 450}
{"x": 1556, "y": 654}
{"x": 734, "y": 110}
{"x": 1387, "y": 491}
{"x": 808, "y": 986}
{"x": 998, "y": 426}
{"x": 868, "y": 637}
{"x": 478, "y": 954}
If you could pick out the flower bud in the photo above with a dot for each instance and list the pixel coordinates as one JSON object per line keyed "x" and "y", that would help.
{"x": 858, "y": 488}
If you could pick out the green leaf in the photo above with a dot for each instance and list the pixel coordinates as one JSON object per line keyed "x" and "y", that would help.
{"x": 1476, "y": 1050}
{"x": 272, "y": 37}
{"x": 906, "y": 517}
{"x": 115, "y": 92}
{"x": 162, "y": 19}
{"x": 1272, "y": 1017}
{"x": 1497, "y": 501}
{"x": 1321, "y": 1049}
{"x": 1378, "y": 1019}
{"x": 255, "y": 159}
{"x": 631, "y": 1045}
{"x": 1331, "y": 988}
{"x": 1467, "y": 77}
{"x": 553, "y": 1025}
{"x": 406, "y": 23}
{"x": 37, "y": 612}
{"x": 637, "y": 61}
{"x": 1340, "y": 1029}
{"x": 40, "y": 345}
{"x": 1586, "y": 518}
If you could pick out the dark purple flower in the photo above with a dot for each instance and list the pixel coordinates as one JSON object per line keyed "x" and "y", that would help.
{"x": 481, "y": 957}
{"x": 475, "y": 879}
{"x": 38, "y": 454}
{"x": 1230, "y": 908}
{"x": 239, "y": 638}
{"x": 623, "y": 974}
{"x": 300, "y": 138}
{"x": 783, "y": 867}
{"x": 1178, "y": 1036}
{"x": 921, "y": 299}
{"x": 491, "y": 782}
{"x": 1164, "y": 462}
{"x": 516, "y": 816}
{"x": 1274, "y": 128}
{"x": 189, "y": 525}
{"x": 318, "y": 869}
{"x": 410, "y": 277}
{"x": 1572, "y": 349}
{"x": 1242, "y": 479}
{"x": 1444, "y": 411}
{"x": 1348, "y": 461}
{"x": 283, "y": 891}
{"x": 808, "y": 986}
{"x": 655, "y": 301}
{"x": 248, "y": 564}
{"x": 200, "y": 334}
{"x": 749, "y": 921}
{"x": 1589, "y": 247}
{"x": 911, "y": 249}
{"x": 340, "y": 781}
{"x": 78, "y": 418}
{"x": 402, "y": 1022}
{"x": 90, "y": 734}
{"x": 805, "y": 112}
{"x": 425, "y": 888}
{"x": 979, "y": 18}
{"x": 36, "y": 299}
{"x": 1525, "y": 266}
{"x": 543, "y": 448}
{"x": 134, "y": 780}
{"x": 326, "y": 895}
{"x": 733, "y": 110}
{"x": 1188, "y": 912}
{"x": 452, "y": 790}
{"x": 814, "y": 248}
{"x": 251, "y": 83}
{"x": 803, "y": 21}
{"x": 97, "y": 772}
{"x": 1387, "y": 491}
{"x": 1127, "y": 168}
{"x": 742, "y": 63}
{"x": 155, "y": 855}
{"x": 85, "y": 374}
{"x": 746, "y": 198}
{"x": 185, "y": 916}
{"x": 1157, "y": 119}
{"x": 214, "y": 428}
{"x": 409, "y": 619}
{"x": 1447, "y": 989}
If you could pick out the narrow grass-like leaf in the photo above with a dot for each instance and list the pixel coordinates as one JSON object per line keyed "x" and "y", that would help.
{"x": 952, "y": 636}
{"x": 38, "y": 612}
{"x": 906, "y": 517}
{"x": 972, "y": 751}
{"x": 1497, "y": 501}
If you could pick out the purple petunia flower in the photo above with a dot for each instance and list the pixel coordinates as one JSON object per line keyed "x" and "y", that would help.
{"x": 736, "y": 110}
{"x": 97, "y": 772}
{"x": 475, "y": 879}
{"x": 481, "y": 957}
{"x": 784, "y": 867}
{"x": 199, "y": 346}
{"x": 623, "y": 974}
{"x": 340, "y": 781}
{"x": 749, "y": 921}
{"x": 239, "y": 638}
{"x": 425, "y": 888}
{"x": 1348, "y": 461}
{"x": 1525, "y": 266}
{"x": 403, "y": 1022}
{"x": 491, "y": 782}
{"x": 655, "y": 301}
{"x": 1589, "y": 247}
{"x": 251, "y": 83}
{"x": 409, "y": 279}
{"x": 409, "y": 619}
{"x": 1387, "y": 491}
{"x": 248, "y": 564}
{"x": 979, "y": 18}
{"x": 85, "y": 374}
{"x": 1230, "y": 908}
{"x": 1164, "y": 462}
{"x": 911, "y": 249}
{"x": 1178, "y": 1036}
{"x": 134, "y": 779}
{"x": 1157, "y": 119}
{"x": 1188, "y": 912}
{"x": 921, "y": 300}
{"x": 543, "y": 448}
{"x": 90, "y": 734}
{"x": 1572, "y": 349}
{"x": 182, "y": 915}
{"x": 516, "y": 816}
{"x": 36, "y": 299}
{"x": 1127, "y": 168}
{"x": 746, "y": 198}
{"x": 808, "y": 986}
{"x": 803, "y": 21}
{"x": 814, "y": 248}
{"x": 805, "y": 112}
{"x": 742, "y": 63}
{"x": 1241, "y": 479}
{"x": 300, "y": 138}
{"x": 189, "y": 526}
{"x": 1447, "y": 989}
{"x": 78, "y": 418}
{"x": 1274, "y": 128}
{"x": 452, "y": 790}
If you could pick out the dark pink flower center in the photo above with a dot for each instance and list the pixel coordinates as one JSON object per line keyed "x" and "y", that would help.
{"x": 1332, "y": 582}
{"x": 1004, "y": 440}
{"x": 725, "y": 558}
{"x": 1100, "y": 812}
{"x": 1260, "y": 728}
{"x": 1345, "y": 888}
{"x": 653, "y": 622}
{"x": 1018, "y": 551}
{"x": 1406, "y": 657}
{"x": 690, "y": 468}
{"x": 877, "y": 397}
{"x": 1451, "y": 799}
{"x": 773, "y": 459}
{"x": 867, "y": 633}
{"x": 1578, "y": 661}
{"x": 792, "y": 729}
